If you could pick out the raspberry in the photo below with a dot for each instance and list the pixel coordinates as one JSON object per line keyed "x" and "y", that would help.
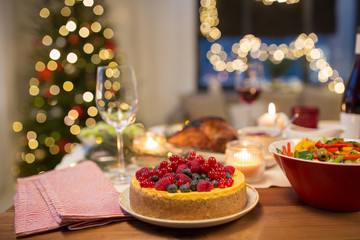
{"x": 195, "y": 168}
{"x": 141, "y": 171}
{"x": 229, "y": 169}
{"x": 204, "y": 186}
{"x": 183, "y": 177}
{"x": 181, "y": 168}
{"x": 162, "y": 184}
{"x": 170, "y": 176}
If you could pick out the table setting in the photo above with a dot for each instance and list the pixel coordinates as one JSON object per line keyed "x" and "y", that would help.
{"x": 50, "y": 195}
{"x": 94, "y": 185}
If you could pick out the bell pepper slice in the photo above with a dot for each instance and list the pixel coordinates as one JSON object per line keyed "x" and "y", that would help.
{"x": 349, "y": 156}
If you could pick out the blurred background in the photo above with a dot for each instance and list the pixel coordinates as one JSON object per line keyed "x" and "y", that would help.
{"x": 186, "y": 55}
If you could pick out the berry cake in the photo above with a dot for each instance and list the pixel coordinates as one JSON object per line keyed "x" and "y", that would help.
{"x": 191, "y": 188}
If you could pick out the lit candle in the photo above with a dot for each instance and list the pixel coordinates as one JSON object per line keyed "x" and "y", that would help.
{"x": 246, "y": 156}
{"x": 268, "y": 119}
{"x": 149, "y": 144}
{"x": 273, "y": 119}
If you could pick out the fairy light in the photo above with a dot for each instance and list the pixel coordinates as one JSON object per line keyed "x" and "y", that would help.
{"x": 55, "y": 54}
{"x": 65, "y": 11}
{"x": 96, "y": 27}
{"x": 47, "y": 40}
{"x": 98, "y": 10}
{"x": 88, "y": 96}
{"x": 88, "y": 3}
{"x": 68, "y": 86}
{"x": 303, "y": 46}
{"x": 72, "y": 57}
{"x": 44, "y": 13}
{"x": 70, "y": 26}
{"x": 84, "y": 32}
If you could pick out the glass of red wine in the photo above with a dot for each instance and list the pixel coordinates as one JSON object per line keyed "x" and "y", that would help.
{"x": 248, "y": 86}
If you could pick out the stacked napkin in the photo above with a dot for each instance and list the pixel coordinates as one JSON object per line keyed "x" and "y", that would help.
{"x": 77, "y": 197}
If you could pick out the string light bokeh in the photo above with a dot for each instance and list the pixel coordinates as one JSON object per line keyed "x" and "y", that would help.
{"x": 303, "y": 46}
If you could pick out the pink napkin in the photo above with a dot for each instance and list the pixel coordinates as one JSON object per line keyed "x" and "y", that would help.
{"x": 77, "y": 197}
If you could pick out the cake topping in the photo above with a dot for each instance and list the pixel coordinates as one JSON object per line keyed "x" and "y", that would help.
{"x": 185, "y": 188}
{"x": 205, "y": 186}
{"x": 181, "y": 174}
{"x": 172, "y": 188}
{"x": 162, "y": 184}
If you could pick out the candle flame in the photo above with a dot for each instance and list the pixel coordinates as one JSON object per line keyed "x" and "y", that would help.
{"x": 151, "y": 143}
{"x": 242, "y": 156}
{"x": 271, "y": 108}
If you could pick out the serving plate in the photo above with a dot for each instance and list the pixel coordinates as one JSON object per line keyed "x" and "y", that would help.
{"x": 253, "y": 199}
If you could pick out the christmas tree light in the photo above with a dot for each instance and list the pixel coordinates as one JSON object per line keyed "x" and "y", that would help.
{"x": 72, "y": 41}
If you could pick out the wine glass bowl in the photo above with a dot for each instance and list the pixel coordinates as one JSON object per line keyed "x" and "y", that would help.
{"x": 248, "y": 83}
{"x": 117, "y": 102}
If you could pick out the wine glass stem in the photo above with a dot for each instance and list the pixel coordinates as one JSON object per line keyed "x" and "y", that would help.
{"x": 249, "y": 114}
{"x": 120, "y": 164}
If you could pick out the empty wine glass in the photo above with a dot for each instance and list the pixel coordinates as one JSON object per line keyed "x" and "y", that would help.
{"x": 117, "y": 102}
{"x": 247, "y": 84}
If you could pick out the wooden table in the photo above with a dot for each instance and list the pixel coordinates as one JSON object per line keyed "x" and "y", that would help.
{"x": 279, "y": 215}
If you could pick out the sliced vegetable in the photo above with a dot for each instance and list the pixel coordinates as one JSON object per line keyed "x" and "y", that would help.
{"x": 334, "y": 150}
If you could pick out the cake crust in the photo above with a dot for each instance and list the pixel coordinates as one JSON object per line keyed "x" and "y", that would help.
{"x": 189, "y": 206}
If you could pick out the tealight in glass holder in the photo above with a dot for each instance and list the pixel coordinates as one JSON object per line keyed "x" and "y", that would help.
{"x": 248, "y": 157}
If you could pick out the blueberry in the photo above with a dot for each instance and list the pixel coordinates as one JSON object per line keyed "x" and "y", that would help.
{"x": 154, "y": 178}
{"x": 156, "y": 167}
{"x": 195, "y": 176}
{"x": 207, "y": 179}
{"x": 216, "y": 183}
{"x": 172, "y": 188}
{"x": 187, "y": 172}
{"x": 228, "y": 175}
{"x": 203, "y": 176}
{"x": 185, "y": 188}
{"x": 193, "y": 185}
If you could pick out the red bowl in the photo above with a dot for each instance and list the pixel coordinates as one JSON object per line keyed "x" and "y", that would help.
{"x": 330, "y": 186}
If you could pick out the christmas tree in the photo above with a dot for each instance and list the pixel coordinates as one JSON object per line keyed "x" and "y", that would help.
{"x": 73, "y": 39}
